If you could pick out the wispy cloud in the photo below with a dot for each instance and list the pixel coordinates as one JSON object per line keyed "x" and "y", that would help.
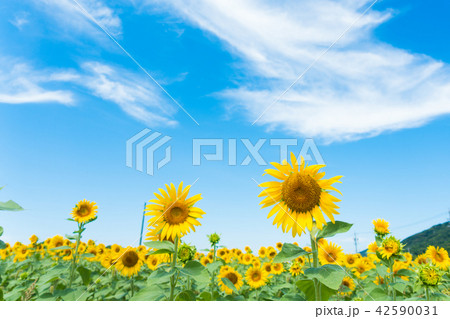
{"x": 68, "y": 17}
{"x": 19, "y": 20}
{"x": 134, "y": 93}
{"x": 361, "y": 88}
{"x": 20, "y": 83}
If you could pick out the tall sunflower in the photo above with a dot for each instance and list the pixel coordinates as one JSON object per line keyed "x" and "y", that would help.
{"x": 390, "y": 247}
{"x": 172, "y": 213}
{"x": 84, "y": 211}
{"x": 300, "y": 197}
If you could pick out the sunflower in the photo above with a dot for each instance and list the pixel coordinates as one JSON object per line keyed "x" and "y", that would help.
{"x": 56, "y": 241}
{"x": 373, "y": 247}
{"x": 421, "y": 259}
{"x": 271, "y": 252}
{"x": 205, "y": 260}
{"x": 301, "y": 260}
{"x": 295, "y": 269}
{"x": 279, "y": 246}
{"x": 256, "y": 277}
{"x": 116, "y": 251}
{"x": 381, "y": 227}
{"x": 267, "y": 268}
{"x": 330, "y": 253}
{"x": 246, "y": 259}
{"x": 349, "y": 283}
{"x": 33, "y": 239}
{"x": 84, "y": 211}
{"x": 361, "y": 266}
{"x": 172, "y": 213}
{"x": 390, "y": 247}
{"x": 152, "y": 262}
{"x": 277, "y": 268}
{"x": 430, "y": 275}
{"x": 107, "y": 260}
{"x": 233, "y": 276}
{"x": 350, "y": 259}
{"x": 129, "y": 263}
{"x": 438, "y": 256}
{"x": 379, "y": 281}
{"x": 301, "y": 196}
{"x": 262, "y": 252}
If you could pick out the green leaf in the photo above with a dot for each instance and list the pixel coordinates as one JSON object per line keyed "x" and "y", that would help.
{"x": 405, "y": 272}
{"x": 307, "y": 287}
{"x": 149, "y": 293}
{"x": 186, "y": 295}
{"x": 10, "y": 206}
{"x": 2, "y": 244}
{"x": 399, "y": 286}
{"x": 167, "y": 245}
{"x": 1, "y": 230}
{"x": 330, "y": 229}
{"x": 329, "y": 275}
{"x": 193, "y": 268}
{"x": 229, "y": 284}
{"x": 160, "y": 251}
{"x": 1, "y": 292}
{"x": 212, "y": 267}
{"x": 85, "y": 275}
{"x": 292, "y": 297}
{"x": 160, "y": 276}
{"x": 377, "y": 294}
{"x": 205, "y": 296}
{"x": 289, "y": 252}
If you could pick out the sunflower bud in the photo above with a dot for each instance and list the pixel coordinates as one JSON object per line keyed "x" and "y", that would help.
{"x": 214, "y": 239}
{"x": 186, "y": 253}
{"x": 430, "y": 275}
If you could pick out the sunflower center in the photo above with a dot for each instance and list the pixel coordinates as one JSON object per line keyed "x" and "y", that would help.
{"x": 346, "y": 283}
{"x": 256, "y": 276}
{"x": 330, "y": 257}
{"x": 439, "y": 257}
{"x": 83, "y": 211}
{"x": 130, "y": 258}
{"x": 301, "y": 193}
{"x": 232, "y": 277}
{"x": 176, "y": 215}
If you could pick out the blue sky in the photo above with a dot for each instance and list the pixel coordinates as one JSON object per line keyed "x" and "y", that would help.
{"x": 376, "y": 104}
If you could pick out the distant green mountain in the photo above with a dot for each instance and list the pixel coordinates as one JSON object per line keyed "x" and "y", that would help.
{"x": 438, "y": 235}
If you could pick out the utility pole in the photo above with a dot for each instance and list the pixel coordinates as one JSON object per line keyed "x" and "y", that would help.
{"x": 355, "y": 239}
{"x": 142, "y": 225}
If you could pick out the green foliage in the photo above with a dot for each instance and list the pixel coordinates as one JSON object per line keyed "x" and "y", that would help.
{"x": 437, "y": 235}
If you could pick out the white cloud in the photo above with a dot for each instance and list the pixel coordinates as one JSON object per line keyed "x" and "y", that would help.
{"x": 135, "y": 94}
{"x": 360, "y": 88}
{"x": 19, "y": 20}
{"x": 19, "y": 83}
{"x": 70, "y": 18}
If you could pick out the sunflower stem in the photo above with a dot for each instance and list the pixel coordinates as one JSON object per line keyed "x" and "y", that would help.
{"x": 75, "y": 255}
{"x": 427, "y": 293}
{"x": 173, "y": 281}
{"x": 315, "y": 264}
{"x": 391, "y": 267}
{"x": 132, "y": 286}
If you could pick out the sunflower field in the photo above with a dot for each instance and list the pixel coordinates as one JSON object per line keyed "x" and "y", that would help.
{"x": 168, "y": 268}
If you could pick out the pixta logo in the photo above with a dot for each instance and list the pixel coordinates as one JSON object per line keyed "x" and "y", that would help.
{"x": 141, "y": 149}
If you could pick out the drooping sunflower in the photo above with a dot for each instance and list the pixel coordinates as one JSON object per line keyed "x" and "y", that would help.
{"x": 381, "y": 227}
{"x": 439, "y": 257}
{"x": 300, "y": 197}
{"x": 256, "y": 277}
{"x": 172, "y": 213}
{"x": 330, "y": 253}
{"x": 129, "y": 263}
{"x": 390, "y": 247}
{"x": 349, "y": 283}
{"x": 233, "y": 276}
{"x": 84, "y": 211}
